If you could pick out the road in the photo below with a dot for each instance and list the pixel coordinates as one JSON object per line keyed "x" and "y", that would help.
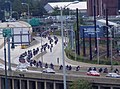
{"x": 49, "y": 57}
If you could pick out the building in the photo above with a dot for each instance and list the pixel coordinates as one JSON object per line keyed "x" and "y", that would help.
{"x": 82, "y": 6}
{"x": 119, "y": 6}
{"x": 101, "y": 5}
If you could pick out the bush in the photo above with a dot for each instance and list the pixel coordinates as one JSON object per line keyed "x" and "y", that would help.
{"x": 81, "y": 84}
{"x": 71, "y": 55}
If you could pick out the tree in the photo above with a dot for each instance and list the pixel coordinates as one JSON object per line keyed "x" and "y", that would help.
{"x": 80, "y": 84}
{"x": 17, "y": 6}
{"x": 56, "y": 11}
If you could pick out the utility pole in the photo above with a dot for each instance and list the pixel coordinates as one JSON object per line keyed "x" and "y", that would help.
{"x": 90, "y": 47}
{"x": 107, "y": 32}
{"x": 95, "y": 24}
{"x": 77, "y": 35}
{"x": 84, "y": 52}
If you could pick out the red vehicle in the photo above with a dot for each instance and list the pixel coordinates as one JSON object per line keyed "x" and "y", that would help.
{"x": 93, "y": 73}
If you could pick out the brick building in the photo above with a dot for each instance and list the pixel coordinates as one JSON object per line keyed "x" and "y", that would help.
{"x": 119, "y": 6}
{"x": 101, "y": 5}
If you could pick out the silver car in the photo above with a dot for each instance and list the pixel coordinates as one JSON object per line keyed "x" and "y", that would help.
{"x": 48, "y": 70}
{"x": 113, "y": 75}
{"x": 22, "y": 67}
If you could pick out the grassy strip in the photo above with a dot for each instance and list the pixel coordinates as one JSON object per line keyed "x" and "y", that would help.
{"x": 71, "y": 55}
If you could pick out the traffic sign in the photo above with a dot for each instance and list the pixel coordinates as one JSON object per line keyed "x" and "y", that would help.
{"x": 91, "y": 30}
{"x": 34, "y": 22}
{"x": 7, "y": 32}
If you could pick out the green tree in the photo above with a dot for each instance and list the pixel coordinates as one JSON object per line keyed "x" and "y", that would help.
{"x": 80, "y": 84}
{"x": 17, "y": 6}
{"x": 56, "y": 11}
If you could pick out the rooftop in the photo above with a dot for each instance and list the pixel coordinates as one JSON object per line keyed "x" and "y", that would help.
{"x": 81, "y": 5}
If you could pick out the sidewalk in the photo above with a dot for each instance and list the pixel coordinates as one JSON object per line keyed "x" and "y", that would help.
{"x": 1, "y": 42}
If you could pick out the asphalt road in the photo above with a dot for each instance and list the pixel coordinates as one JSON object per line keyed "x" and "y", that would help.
{"x": 48, "y": 57}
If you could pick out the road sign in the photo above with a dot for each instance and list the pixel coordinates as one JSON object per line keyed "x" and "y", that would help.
{"x": 7, "y": 32}
{"x": 91, "y": 30}
{"x": 34, "y": 22}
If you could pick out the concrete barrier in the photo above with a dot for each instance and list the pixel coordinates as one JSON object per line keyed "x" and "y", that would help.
{"x": 1, "y": 42}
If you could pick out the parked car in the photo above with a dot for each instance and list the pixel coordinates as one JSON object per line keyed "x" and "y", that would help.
{"x": 48, "y": 70}
{"x": 22, "y": 70}
{"x": 93, "y": 73}
{"x": 113, "y": 75}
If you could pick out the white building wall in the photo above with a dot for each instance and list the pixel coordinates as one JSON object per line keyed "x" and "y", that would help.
{"x": 21, "y": 32}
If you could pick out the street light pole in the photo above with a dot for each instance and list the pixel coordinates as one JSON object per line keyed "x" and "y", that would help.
{"x": 9, "y": 61}
{"x": 111, "y": 46}
{"x": 64, "y": 69}
{"x": 28, "y": 9}
{"x": 98, "y": 54}
{"x": 73, "y": 40}
{"x": 73, "y": 35}
{"x": 16, "y": 13}
{"x": 6, "y": 79}
{"x": 111, "y": 51}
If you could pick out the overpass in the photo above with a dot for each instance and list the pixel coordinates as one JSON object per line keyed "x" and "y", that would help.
{"x": 39, "y": 80}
